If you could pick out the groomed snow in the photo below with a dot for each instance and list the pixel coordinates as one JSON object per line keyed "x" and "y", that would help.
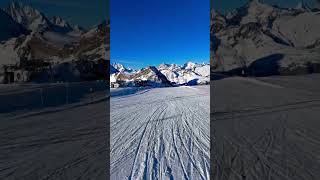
{"x": 161, "y": 133}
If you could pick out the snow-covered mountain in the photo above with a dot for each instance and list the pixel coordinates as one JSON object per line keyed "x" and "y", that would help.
{"x": 33, "y": 20}
{"x": 173, "y": 74}
{"x": 27, "y": 16}
{"x": 57, "y": 39}
{"x": 190, "y": 73}
{"x": 58, "y": 21}
{"x": 120, "y": 68}
{"x": 32, "y": 41}
{"x": 152, "y": 75}
{"x": 149, "y": 76}
{"x": 261, "y": 39}
{"x": 63, "y": 26}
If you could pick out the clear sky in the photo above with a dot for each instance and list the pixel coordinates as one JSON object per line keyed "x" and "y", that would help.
{"x": 85, "y": 13}
{"x": 227, "y": 5}
{"x": 151, "y": 32}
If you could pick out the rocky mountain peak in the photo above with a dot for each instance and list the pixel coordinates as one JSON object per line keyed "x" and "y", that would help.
{"x": 58, "y": 21}
{"x": 118, "y": 66}
{"x": 121, "y": 68}
{"x": 27, "y": 16}
{"x": 189, "y": 65}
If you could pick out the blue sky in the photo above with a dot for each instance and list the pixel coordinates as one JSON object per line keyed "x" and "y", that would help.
{"x": 85, "y": 13}
{"x": 151, "y": 32}
{"x": 227, "y": 5}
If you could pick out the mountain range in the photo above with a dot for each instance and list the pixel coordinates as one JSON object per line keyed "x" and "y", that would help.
{"x": 29, "y": 37}
{"x": 259, "y": 39}
{"x": 163, "y": 75}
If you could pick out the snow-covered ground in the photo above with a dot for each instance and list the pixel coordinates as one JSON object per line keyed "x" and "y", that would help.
{"x": 266, "y": 128}
{"x": 127, "y": 91}
{"x": 161, "y": 133}
{"x": 65, "y": 143}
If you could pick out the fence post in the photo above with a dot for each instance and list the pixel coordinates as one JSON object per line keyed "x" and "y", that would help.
{"x": 42, "y": 98}
{"x": 67, "y": 93}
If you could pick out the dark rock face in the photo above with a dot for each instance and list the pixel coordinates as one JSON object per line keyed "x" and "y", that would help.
{"x": 266, "y": 66}
{"x": 152, "y": 77}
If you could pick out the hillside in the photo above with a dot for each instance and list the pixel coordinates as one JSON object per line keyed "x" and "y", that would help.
{"x": 260, "y": 40}
{"x": 35, "y": 43}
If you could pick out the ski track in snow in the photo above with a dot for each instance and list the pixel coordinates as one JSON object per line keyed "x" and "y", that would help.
{"x": 266, "y": 128}
{"x": 161, "y": 134}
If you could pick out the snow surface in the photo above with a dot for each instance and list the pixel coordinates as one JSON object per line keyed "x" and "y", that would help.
{"x": 203, "y": 70}
{"x": 266, "y": 128}
{"x": 161, "y": 133}
{"x": 59, "y": 144}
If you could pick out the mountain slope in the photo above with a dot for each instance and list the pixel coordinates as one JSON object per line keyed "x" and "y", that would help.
{"x": 33, "y": 42}
{"x": 120, "y": 68}
{"x": 149, "y": 76}
{"x": 190, "y": 73}
{"x": 27, "y": 16}
{"x": 259, "y": 39}
{"x": 163, "y": 75}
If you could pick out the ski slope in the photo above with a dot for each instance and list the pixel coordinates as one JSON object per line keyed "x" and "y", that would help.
{"x": 266, "y": 128}
{"x": 161, "y": 133}
{"x": 53, "y": 139}
{"x": 65, "y": 143}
